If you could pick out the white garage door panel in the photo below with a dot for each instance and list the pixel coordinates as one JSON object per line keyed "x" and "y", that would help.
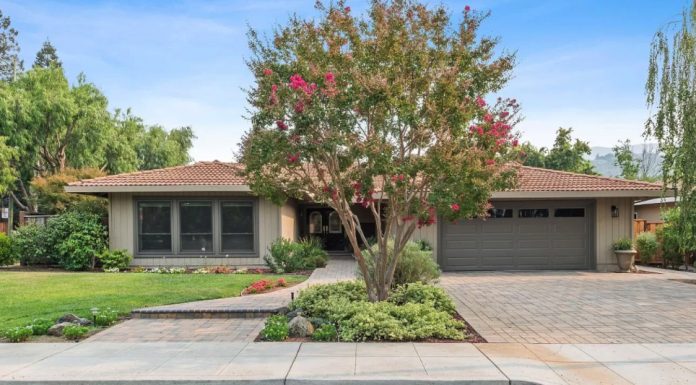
{"x": 520, "y": 243}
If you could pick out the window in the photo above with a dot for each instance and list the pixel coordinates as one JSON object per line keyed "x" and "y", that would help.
{"x": 533, "y": 213}
{"x": 335, "y": 223}
{"x": 500, "y": 213}
{"x": 237, "y": 226}
{"x": 154, "y": 226}
{"x": 196, "y": 226}
{"x": 569, "y": 213}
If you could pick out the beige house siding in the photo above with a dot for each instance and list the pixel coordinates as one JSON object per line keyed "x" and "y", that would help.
{"x": 122, "y": 231}
{"x": 609, "y": 229}
{"x": 652, "y": 213}
{"x": 288, "y": 221}
{"x": 428, "y": 234}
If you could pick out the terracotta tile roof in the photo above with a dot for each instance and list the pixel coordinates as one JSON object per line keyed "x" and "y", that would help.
{"x": 540, "y": 179}
{"x": 218, "y": 173}
{"x": 213, "y": 173}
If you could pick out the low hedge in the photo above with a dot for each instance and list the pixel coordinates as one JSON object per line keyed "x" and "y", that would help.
{"x": 413, "y": 312}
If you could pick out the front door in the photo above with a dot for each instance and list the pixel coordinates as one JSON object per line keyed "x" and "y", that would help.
{"x": 324, "y": 223}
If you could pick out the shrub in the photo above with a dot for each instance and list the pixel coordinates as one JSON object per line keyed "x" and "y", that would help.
{"x": 75, "y": 332}
{"x": 668, "y": 238}
{"x": 104, "y": 317}
{"x": 276, "y": 328}
{"x": 423, "y": 294}
{"x": 285, "y": 256}
{"x": 40, "y": 327}
{"x": 317, "y": 300}
{"x": 623, "y": 244}
{"x": 424, "y": 245}
{"x": 414, "y": 312}
{"x": 72, "y": 240}
{"x": 18, "y": 334}
{"x": 7, "y": 253}
{"x": 115, "y": 259}
{"x": 415, "y": 264}
{"x": 386, "y": 321}
{"x": 647, "y": 246}
{"x": 325, "y": 333}
{"x": 33, "y": 245}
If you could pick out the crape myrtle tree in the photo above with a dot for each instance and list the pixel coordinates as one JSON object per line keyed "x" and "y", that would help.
{"x": 385, "y": 111}
{"x": 671, "y": 93}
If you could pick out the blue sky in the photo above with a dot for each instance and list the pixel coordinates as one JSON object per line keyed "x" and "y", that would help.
{"x": 580, "y": 63}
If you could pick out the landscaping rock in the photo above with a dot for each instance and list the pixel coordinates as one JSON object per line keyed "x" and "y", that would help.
{"x": 73, "y": 319}
{"x": 57, "y": 329}
{"x": 300, "y": 327}
{"x": 294, "y": 313}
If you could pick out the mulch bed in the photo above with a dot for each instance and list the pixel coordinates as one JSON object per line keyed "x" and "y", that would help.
{"x": 472, "y": 336}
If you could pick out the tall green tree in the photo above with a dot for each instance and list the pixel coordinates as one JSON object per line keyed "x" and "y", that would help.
{"x": 159, "y": 148}
{"x": 47, "y": 56}
{"x": 386, "y": 110}
{"x": 671, "y": 94}
{"x": 567, "y": 154}
{"x": 623, "y": 153}
{"x": 10, "y": 63}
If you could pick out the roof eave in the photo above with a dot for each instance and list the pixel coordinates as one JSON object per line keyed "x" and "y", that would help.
{"x": 156, "y": 189}
{"x": 651, "y": 193}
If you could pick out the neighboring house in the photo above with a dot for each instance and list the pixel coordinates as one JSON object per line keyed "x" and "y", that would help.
{"x": 651, "y": 210}
{"x": 205, "y": 214}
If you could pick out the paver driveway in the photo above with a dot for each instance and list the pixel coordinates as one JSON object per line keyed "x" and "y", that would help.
{"x": 575, "y": 307}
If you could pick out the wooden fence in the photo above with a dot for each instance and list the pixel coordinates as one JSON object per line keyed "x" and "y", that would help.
{"x": 642, "y": 226}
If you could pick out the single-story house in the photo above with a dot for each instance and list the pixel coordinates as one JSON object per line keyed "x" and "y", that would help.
{"x": 205, "y": 214}
{"x": 651, "y": 210}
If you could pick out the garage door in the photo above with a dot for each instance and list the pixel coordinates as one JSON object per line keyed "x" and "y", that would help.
{"x": 544, "y": 235}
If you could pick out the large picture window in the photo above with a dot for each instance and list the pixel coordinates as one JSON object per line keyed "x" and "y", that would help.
{"x": 196, "y": 224}
{"x": 154, "y": 226}
{"x": 237, "y": 226}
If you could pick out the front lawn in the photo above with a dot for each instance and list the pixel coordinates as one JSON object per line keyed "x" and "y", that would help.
{"x": 29, "y": 295}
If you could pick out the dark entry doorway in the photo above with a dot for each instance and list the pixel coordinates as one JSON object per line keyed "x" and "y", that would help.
{"x": 325, "y": 224}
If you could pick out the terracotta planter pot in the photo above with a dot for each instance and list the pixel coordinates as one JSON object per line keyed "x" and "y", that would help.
{"x": 625, "y": 259}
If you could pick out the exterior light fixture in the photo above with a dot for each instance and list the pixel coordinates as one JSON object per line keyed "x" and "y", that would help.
{"x": 614, "y": 212}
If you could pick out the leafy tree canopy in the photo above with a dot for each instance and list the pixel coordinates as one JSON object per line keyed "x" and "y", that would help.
{"x": 671, "y": 94}
{"x": 386, "y": 111}
{"x": 565, "y": 155}
{"x": 623, "y": 153}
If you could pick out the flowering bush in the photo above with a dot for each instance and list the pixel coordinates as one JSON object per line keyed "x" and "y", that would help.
{"x": 387, "y": 110}
{"x": 263, "y": 285}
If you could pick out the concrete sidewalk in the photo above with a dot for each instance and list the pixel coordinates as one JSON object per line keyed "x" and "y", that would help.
{"x": 345, "y": 363}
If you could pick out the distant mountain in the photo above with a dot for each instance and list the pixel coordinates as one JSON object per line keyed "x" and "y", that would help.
{"x": 604, "y": 162}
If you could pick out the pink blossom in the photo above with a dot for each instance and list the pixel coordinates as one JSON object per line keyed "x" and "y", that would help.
{"x": 515, "y": 143}
{"x": 281, "y": 125}
{"x": 329, "y": 77}
{"x": 488, "y": 118}
{"x": 299, "y": 107}
{"x": 490, "y": 162}
{"x": 296, "y": 82}
{"x": 504, "y": 114}
{"x": 293, "y": 158}
{"x": 455, "y": 207}
{"x": 467, "y": 8}
{"x": 267, "y": 71}
{"x": 480, "y": 102}
{"x": 346, "y": 9}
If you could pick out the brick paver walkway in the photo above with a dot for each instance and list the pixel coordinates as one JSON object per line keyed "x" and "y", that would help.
{"x": 575, "y": 307}
{"x": 182, "y": 329}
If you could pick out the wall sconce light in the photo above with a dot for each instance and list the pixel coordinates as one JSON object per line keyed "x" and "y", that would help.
{"x": 614, "y": 212}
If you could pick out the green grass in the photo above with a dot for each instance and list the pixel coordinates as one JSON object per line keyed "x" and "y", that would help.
{"x": 25, "y": 296}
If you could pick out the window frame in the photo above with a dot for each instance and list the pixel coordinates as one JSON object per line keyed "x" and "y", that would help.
{"x": 137, "y": 227}
{"x": 175, "y": 251}
{"x": 548, "y": 213}
{"x": 179, "y": 233}
{"x": 254, "y": 226}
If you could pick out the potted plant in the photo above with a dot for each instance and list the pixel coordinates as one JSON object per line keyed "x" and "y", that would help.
{"x": 625, "y": 254}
